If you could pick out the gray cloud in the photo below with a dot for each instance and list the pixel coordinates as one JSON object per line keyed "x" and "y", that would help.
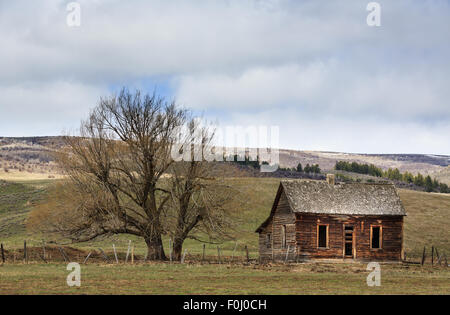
{"x": 314, "y": 61}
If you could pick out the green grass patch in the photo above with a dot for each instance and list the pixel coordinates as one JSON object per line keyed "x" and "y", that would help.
{"x": 164, "y": 278}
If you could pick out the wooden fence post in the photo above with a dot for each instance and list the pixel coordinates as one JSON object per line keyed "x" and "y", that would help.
{"x": 203, "y": 255}
{"x": 432, "y": 255}
{"x": 218, "y": 254}
{"x": 438, "y": 262}
{"x": 423, "y": 256}
{"x": 43, "y": 248}
{"x": 25, "y": 256}
{"x": 87, "y": 257}
{"x": 184, "y": 256}
{"x": 234, "y": 250}
{"x": 132, "y": 254}
{"x": 170, "y": 249}
{"x": 42, "y": 258}
{"x": 246, "y": 251}
{"x": 115, "y": 253}
{"x": 128, "y": 251}
{"x": 3, "y": 253}
{"x": 103, "y": 254}
{"x": 63, "y": 253}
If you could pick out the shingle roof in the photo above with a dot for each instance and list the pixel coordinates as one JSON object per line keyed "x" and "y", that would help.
{"x": 307, "y": 196}
{"x": 319, "y": 197}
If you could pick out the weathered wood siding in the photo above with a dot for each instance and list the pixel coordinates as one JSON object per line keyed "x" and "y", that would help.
{"x": 392, "y": 236}
{"x": 265, "y": 248}
{"x": 282, "y": 216}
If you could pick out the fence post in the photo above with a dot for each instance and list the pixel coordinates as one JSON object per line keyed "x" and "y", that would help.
{"x": 132, "y": 254}
{"x": 128, "y": 250}
{"x": 115, "y": 253}
{"x": 432, "y": 255}
{"x": 234, "y": 250}
{"x": 423, "y": 256}
{"x": 218, "y": 254}
{"x": 43, "y": 247}
{"x": 103, "y": 254}
{"x": 61, "y": 250}
{"x": 203, "y": 255}
{"x": 25, "y": 256}
{"x": 246, "y": 251}
{"x": 184, "y": 256}
{"x": 3, "y": 253}
{"x": 87, "y": 257}
{"x": 170, "y": 249}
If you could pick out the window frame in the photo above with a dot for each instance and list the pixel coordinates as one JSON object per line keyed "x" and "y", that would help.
{"x": 327, "y": 240}
{"x": 380, "y": 237}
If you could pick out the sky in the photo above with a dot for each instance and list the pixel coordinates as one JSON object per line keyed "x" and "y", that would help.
{"x": 315, "y": 69}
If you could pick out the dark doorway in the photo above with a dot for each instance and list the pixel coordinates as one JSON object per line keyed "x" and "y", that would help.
{"x": 348, "y": 241}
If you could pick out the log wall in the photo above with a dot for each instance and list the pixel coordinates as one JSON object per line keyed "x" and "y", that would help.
{"x": 391, "y": 240}
{"x": 281, "y": 217}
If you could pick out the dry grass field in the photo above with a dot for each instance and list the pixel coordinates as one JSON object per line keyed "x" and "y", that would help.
{"x": 426, "y": 225}
{"x": 165, "y": 278}
{"x": 18, "y": 176}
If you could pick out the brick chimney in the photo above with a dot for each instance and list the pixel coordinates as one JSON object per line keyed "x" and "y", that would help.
{"x": 331, "y": 179}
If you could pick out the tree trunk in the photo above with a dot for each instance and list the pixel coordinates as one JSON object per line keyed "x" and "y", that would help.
{"x": 177, "y": 250}
{"x": 155, "y": 250}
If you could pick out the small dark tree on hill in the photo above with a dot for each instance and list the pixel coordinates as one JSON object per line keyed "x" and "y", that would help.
{"x": 428, "y": 184}
{"x": 307, "y": 168}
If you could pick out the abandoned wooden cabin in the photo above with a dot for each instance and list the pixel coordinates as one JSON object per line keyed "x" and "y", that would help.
{"x": 320, "y": 219}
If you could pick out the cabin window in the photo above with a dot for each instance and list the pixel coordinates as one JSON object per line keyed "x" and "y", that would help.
{"x": 283, "y": 236}
{"x": 376, "y": 238}
{"x": 269, "y": 240}
{"x": 322, "y": 236}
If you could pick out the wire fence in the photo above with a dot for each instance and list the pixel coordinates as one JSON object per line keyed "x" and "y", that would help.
{"x": 124, "y": 252}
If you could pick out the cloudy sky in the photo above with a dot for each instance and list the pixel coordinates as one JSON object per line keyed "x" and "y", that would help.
{"x": 313, "y": 68}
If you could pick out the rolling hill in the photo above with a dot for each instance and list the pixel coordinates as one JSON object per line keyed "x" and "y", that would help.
{"x": 30, "y": 157}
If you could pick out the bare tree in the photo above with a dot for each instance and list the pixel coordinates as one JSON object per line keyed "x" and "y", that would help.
{"x": 122, "y": 178}
{"x": 116, "y": 165}
{"x": 201, "y": 199}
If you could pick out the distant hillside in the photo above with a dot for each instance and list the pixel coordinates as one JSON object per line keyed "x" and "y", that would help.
{"x": 32, "y": 155}
{"x": 433, "y": 165}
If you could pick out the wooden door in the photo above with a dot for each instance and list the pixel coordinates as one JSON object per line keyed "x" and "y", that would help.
{"x": 348, "y": 241}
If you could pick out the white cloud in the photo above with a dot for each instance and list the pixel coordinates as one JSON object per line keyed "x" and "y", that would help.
{"x": 329, "y": 133}
{"x": 45, "y": 109}
{"x": 236, "y": 57}
{"x": 321, "y": 89}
